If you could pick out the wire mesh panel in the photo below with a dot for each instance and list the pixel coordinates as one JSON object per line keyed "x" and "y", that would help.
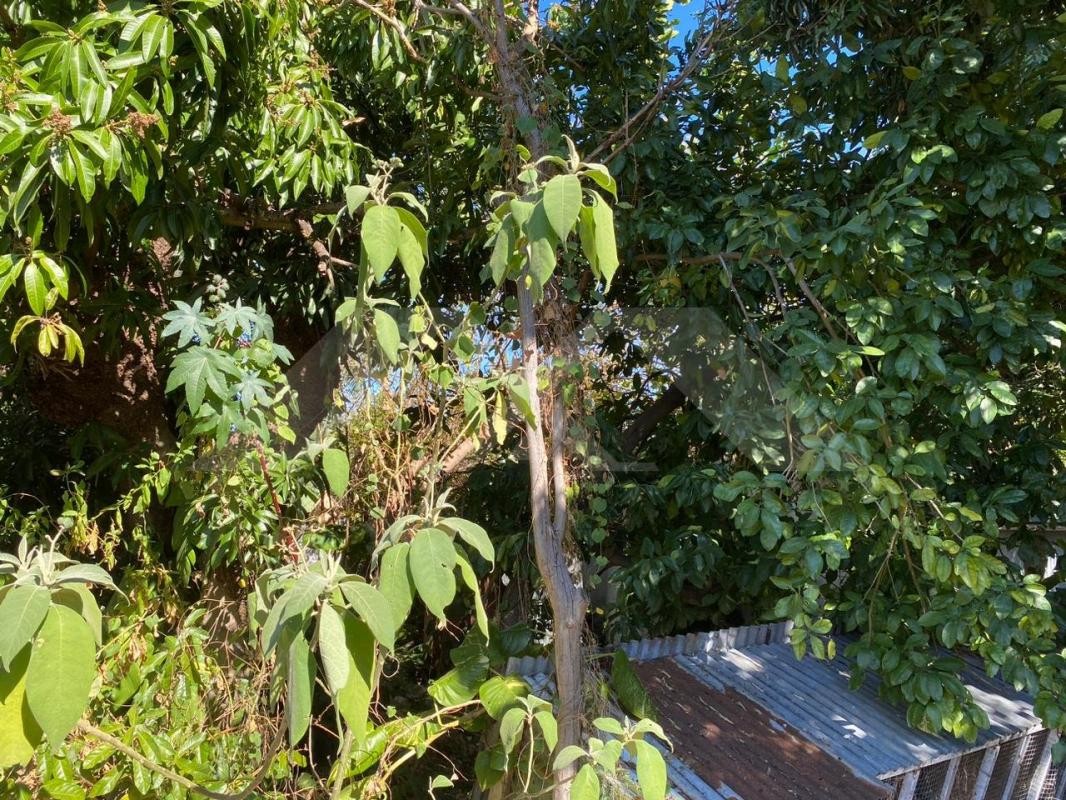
{"x": 966, "y": 777}
{"x": 1049, "y": 791}
{"x": 931, "y": 781}
{"x": 1034, "y": 746}
{"x": 997, "y": 785}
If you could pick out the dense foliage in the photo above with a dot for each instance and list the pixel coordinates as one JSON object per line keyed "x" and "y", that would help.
{"x": 764, "y": 322}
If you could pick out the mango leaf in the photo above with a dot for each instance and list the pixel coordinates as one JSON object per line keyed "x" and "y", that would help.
{"x": 19, "y": 732}
{"x": 373, "y": 608}
{"x": 651, "y": 771}
{"x": 388, "y": 335}
{"x": 473, "y": 534}
{"x": 338, "y": 471}
{"x": 562, "y": 203}
{"x": 61, "y": 671}
{"x": 432, "y": 562}
{"x": 22, "y": 611}
{"x": 381, "y": 237}
{"x": 36, "y": 288}
{"x": 301, "y": 684}
{"x": 394, "y": 581}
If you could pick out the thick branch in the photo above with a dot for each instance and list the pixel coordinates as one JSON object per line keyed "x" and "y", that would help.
{"x": 643, "y": 426}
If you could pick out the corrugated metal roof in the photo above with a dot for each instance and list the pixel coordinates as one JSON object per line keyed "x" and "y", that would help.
{"x": 857, "y": 727}
{"x": 813, "y": 697}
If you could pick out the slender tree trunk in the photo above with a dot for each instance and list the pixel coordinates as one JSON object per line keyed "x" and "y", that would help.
{"x": 567, "y": 598}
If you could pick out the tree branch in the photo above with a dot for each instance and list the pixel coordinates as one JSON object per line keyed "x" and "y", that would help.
{"x": 181, "y": 780}
{"x": 648, "y": 419}
{"x": 703, "y": 49}
{"x": 396, "y": 25}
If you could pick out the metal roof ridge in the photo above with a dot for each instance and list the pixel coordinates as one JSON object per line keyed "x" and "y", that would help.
{"x": 684, "y": 644}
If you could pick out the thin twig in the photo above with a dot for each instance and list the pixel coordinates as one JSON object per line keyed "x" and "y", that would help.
{"x": 396, "y": 25}
{"x": 702, "y": 50}
{"x": 181, "y": 780}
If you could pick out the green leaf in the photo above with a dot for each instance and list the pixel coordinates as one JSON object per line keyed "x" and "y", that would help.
{"x": 471, "y": 533}
{"x": 338, "y": 471}
{"x": 470, "y": 579}
{"x": 502, "y": 250}
{"x": 549, "y": 727}
{"x": 562, "y": 203}
{"x": 381, "y": 237}
{"x": 388, "y": 335}
{"x": 542, "y": 243}
{"x": 586, "y": 784}
{"x": 501, "y": 692}
{"x": 432, "y": 561}
{"x": 22, "y": 611}
{"x": 632, "y": 695}
{"x": 353, "y": 702}
{"x": 354, "y": 197}
{"x": 332, "y": 648}
{"x": 394, "y": 582}
{"x": 412, "y": 258}
{"x": 511, "y": 728}
{"x": 373, "y": 608}
{"x": 61, "y": 671}
{"x": 1049, "y": 120}
{"x": 651, "y": 771}
{"x": 606, "y": 248}
{"x": 301, "y": 684}
{"x": 36, "y": 288}
{"x": 19, "y": 733}
{"x": 79, "y": 599}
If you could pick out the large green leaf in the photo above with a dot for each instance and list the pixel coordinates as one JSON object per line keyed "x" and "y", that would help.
{"x": 19, "y": 732}
{"x": 651, "y": 771}
{"x": 353, "y": 701}
{"x": 333, "y": 648}
{"x": 373, "y": 609}
{"x": 412, "y": 258}
{"x": 61, "y": 671}
{"x": 381, "y": 238}
{"x": 562, "y": 203}
{"x": 22, "y": 611}
{"x": 586, "y": 784}
{"x": 432, "y": 561}
{"x": 394, "y": 580}
{"x": 301, "y": 683}
{"x": 542, "y": 243}
{"x": 388, "y": 335}
{"x": 473, "y": 534}
{"x": 606, "y": 247}
{"x": 338, "y": 471}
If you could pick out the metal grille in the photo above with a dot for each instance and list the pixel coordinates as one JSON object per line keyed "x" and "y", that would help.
{"x": 1008, "y": 751}
{"x": 931, "y": 781}
{"x": 1047, "y": 791}
{"x": 1034, "y": 746}
{"x": 966, "y": 777}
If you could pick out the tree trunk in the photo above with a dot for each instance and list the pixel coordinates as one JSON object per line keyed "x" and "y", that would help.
{"x": 565, "y": 594}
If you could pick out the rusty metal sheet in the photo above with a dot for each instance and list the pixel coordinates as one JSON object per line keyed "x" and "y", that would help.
{"x": 733, "y": 743}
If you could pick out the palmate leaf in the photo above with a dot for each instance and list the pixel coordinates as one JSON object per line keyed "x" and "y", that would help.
{"x": 188, "y": 322}
{"x": 199, "y": 369}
